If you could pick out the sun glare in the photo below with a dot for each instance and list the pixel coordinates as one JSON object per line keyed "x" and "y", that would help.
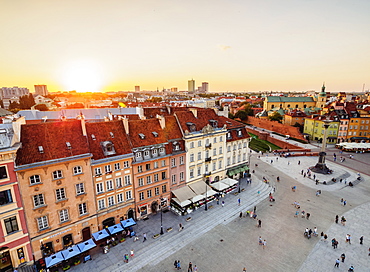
{"x": 82, "y": 76}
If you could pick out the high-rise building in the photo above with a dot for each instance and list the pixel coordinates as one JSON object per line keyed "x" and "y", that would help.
{"x": 41, "y": 90}
{"x": 174, "y": 89}
{"x": 137, "y": 88}
{"x": 205, "y": 87}
{"x": 12, "y": 94}
{"x": 191, "y": 85}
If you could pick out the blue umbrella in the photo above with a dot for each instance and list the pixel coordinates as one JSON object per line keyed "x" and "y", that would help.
{"x": 85, "y": 246}
{"x": 71, "y": 252}
{"x": 101, "y": 234}
{"x": 54, "y": 259}
{"x": 128, "y": 223}
{"x": 114, "y": 229}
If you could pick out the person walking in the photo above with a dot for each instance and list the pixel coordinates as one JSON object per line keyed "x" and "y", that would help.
{"x": 126, "y": 258}
{"x": 260, "y": 242}
{"x": 264, "y": 244}
{"x": 361, "y": 240}
{"x": 190, "y": 268}
{"x": 308, "y": 216}
{"x": 132, "y": 253}
{"x": 349, "y": 239}
{"x": 240, "y": 214}
{"x": 343, "y": 257}
{"x": 259, "y": 223}
{"x": 178, "y": 265}
{"x": 180, "y": 227}
{"x": 144, "y": 236}
{"x": 254, "y": 209}
{"x": 239, "y": 201}
{"x": 337, "y": 262}
{"x": 195, "y": 269}
{"x": 223, "y": 203}
{"x": 336, "y": 219}
{"x": 175, "y": 264}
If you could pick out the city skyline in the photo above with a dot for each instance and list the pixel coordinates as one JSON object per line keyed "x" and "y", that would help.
{"x": 235, "y": 46}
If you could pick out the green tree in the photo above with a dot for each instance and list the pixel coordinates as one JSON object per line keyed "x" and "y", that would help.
{"x": 41, "y": 107}
{"x": 276, "y": 117}
{"x": 26, "y": 101}
{"x": 242, "y": 115}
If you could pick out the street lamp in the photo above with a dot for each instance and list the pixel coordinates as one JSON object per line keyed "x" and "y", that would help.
{"x": 161, "y": 219}
{"x": 205, "y": 200}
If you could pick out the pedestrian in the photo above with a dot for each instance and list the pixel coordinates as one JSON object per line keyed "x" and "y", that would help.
{"x": 254, "y": 209}
{"x": 296, "y": 213}
{"x": 264, "y": 244}
{"x": 322, "y": 235}
{"x": 178, "y": 265}
{"x": 259, "y": 223}
{"x": 132, "y": 253}
{"x": 175, "y": 264}
{"x": 344, "y": 202}
{"x": 303, "y": 212}
{"x": 343, "y": 221}
{"x": 349, "y": 239}
{"x": 260, "y": 242}
{"x": 239, "y": 201}
{"x": 361, "y": 240}
{"x": 223, "y": 203}
{"x": 240, "y": 214}
{"x": 244, "y": 269}
{"x": 258, "y": 193}
{"x": 126, "y": 258}
{"x": 277, "y": 179}
{"x": 180, "y": 227}
{"x": 218, "y": 201}
{"x": 308, "y": 216}
{"x": 195, "y": 269}
{"x": 337, "y": 262}
{"x": 336, "y": 219}
{"x": 190, "y": 268}
{"x": 333, "y": 243}
{"x": 144, "y": 236}
{"x": 325, "y": 237}
{"x": 343, "y": 256}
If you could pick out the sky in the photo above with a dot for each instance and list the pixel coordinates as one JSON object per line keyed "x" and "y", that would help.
{"x": 235, "y": 45}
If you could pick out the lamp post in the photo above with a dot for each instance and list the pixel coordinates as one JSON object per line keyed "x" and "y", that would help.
{"x": 205, "y": 200}
{"x": 161, "y": 219}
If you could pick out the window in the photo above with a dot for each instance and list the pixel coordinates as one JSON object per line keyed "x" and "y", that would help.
{"x": 108, "y": 169}
{"x": 141, "y": 181}
{"x": 138, "y": 155}
{"x": 163, "y": 175}
{"x": 38, "y": 200}
{"x": 156, "y": 190}
{"x": 146, "y": 153}
{"x": 173, "y": 162}
{"x": 110, "y": 186}
{"x": 110, "y": 201}
{"x": 214, "y": 140}
{"x": 220, "y": 150}
{"x": 239, "y": 146}
{"x": 11, "y": 225}
{"x": 141, "y": 196}
{"x": 126, "y": 164}
{"x": 42, "y": 222}
{"x": 149, "y": 193}
{"x": 128, "y": 195}
{"x": 199, "y": 171}
{"x": 80, "y": 188}
{"x": 228, "y": 161}
{"x": 181, "y": 160}
{"x": 191, "y": 157}
{"x": 214, "y": 166}
{"x": 245, "y": 145}
{"x": 117, "y": 166}
{"x": 191, "y": 173}
{"x": 60, "y": 194}
{"x": 3, "y": 173}
{"x": 63, "y": 215}
{"x": 97, "y": 171}
{"x": 148, "y": 179}
{"x": 77, "y": 170}
{"x": 101, "y": 204}
{"x": 219, "y": 164}
{"x": 155, "y": 152}
{"x": 35, "y": 179}
{"x": 5, "y": 197}
{"x": 99, "y": 188}
{"x": 192, "y": 145}
{"x": 214, "y": 152}
{"x": 229, "y": 148}
{"x": 82, "y": 209}
{"x": 163, "y": 163}
{"x": 147, "y": 166}
{"x": 57, "y": 174}
{"x": 161, "y": 150}
{"x": 220, "y": 139}
{"x": 156, "y": 178}
{"x": 164, "y": 188}
{"x": 127, "y": 180}
{"x": 155, "y": 165}
{"x": 140, "y": 169}
{"x": 119, "y": 182}
{"x": 173, "y": 179}
{"x": 199, "y": 156}
{"x": 182, "y": 176}
{"x": 119, "y": 198}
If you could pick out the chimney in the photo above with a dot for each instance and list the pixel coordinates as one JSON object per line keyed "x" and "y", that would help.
{"x": 162, "y": 121}
{"x": 195, "y": 112}
{"x": 125, "y": 124}
{"x": 83, "y": 125}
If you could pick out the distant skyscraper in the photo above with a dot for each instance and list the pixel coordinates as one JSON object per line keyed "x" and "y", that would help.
{"x": 191, "y": 85}
{"x": 174, "y": 89}
{"x": 205, "y": 87}
{"x": 41, "y": 90}
{"x": 137, "y": 88}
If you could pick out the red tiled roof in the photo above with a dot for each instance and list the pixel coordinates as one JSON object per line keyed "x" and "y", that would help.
{"x": 146, "y": 127}
{"x": 102, "y": 132}
{"x": 52, "y": 137}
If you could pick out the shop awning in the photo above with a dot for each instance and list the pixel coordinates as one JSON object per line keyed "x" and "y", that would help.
{"x": 199, "y": 187}
{"x": 128, "y": 223}
{"x": 182, "y": 204}
{"x": 230, "y": 173}
{"x": 219, "y": 186}
{"x": 197, "y": 198}
{"x": 116, "y": 228}
{"x": 100, "y": 234}
{"x": 87, "y": 245}
{"x": 229, "y": 182}
{"x": 54, "y": 259}
{"x": 184, "y": 193}
{"x": 211, "y": 192}
{"x": 71, "y": 252}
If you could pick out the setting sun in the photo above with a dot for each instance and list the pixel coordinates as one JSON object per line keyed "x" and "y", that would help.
{"x": 82, "y": 76}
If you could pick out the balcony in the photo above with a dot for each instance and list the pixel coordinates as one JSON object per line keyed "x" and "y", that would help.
{"x": 208, "y": 159}
{"x": 207, "y": 174}
{"x": 208, "y": 146}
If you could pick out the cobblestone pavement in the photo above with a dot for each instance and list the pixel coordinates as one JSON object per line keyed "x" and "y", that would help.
{"x": 218, "y": 240}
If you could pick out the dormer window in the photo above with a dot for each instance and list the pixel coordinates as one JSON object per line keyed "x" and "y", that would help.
{"x": 142, "y": 136}
{"x": 41, "y": 149}
{"x": 213, "y": 123}
{"x": 191, "y": 126}
{"x": 176, "y": 146}
{"x": 93, "y": 137}
{"x": 228, "y": 135}
{"x": 155, "y": 134}
{"x": 240, "y": 133}
{"x": 68, "y": 144}
{"x": 111, "y": 134}
{"x": 108, "y": 148}
{"x": 161, "y": 150}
